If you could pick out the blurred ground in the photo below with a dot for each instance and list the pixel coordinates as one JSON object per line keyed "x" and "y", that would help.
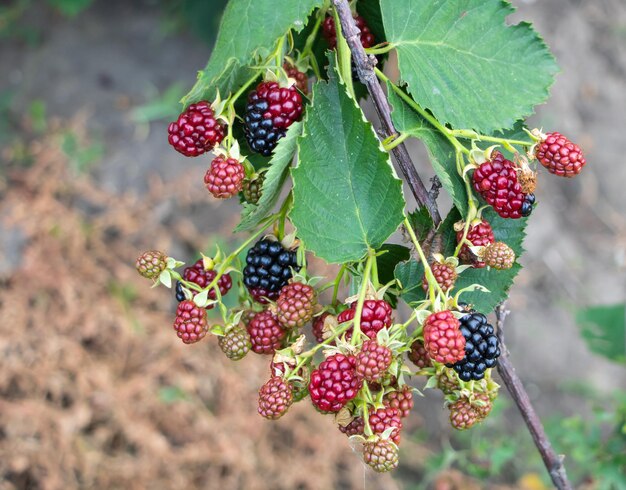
{"x": 95, "y": 392}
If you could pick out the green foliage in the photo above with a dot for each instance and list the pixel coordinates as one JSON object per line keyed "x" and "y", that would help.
{"x": 81, "y": 156}
{"x": 71, "y": 8}
{"x": 604, "y": 330}
{"x": 275, "y": 177}
{"x": 242, "y": 37}
{"x": 346, "y": 196}
{"x": 461, "y": 61}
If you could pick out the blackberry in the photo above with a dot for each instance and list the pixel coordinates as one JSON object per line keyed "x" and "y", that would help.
{"x": 269, "y": 268}
{"x": 180, "y": 295}
{"x": 527, "y": 205}
{"x": 196, "y": 130}
{"x": 150, "y": 264}
{"x": 381, "y": 455}
{"x": 481, "y": 347}
{"x": 271, "y": 110}
{"x": 203, "y": 277}
{"x": 560, "y": 156}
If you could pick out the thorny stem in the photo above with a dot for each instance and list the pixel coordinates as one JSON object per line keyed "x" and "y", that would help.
{"x": 552, "y": 461}
{"x": 365, "y": 68}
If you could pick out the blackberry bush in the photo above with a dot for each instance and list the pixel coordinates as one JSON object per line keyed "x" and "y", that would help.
{"x": 320, "y": 182}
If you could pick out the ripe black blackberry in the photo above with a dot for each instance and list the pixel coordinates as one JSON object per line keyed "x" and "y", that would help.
{"x": 527, "y": 205}
{"x": 269, "y": 268}
{"x": 481, "y": 347}
{"x": 271, "y": 110}
{"x": 180, "y": 295}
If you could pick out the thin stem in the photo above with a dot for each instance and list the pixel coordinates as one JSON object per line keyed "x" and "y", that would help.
{"x": 464, "y": 133}
{"x": 552, "y": 461}
{"x": 433, "y": 285}
{"x": 401, "y": 138}
{"x": 338, "y": 279}
{"x": 359, "y": 305}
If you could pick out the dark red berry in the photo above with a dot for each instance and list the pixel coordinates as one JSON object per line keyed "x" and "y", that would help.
{"x": 271, "y": 110}
{"x": 318, "y": 327}
{"x": 202, "y": 277}
{"x": 479, "y": 235}
{"x": 196, "y": 130}
{"x": 266, "y": 334}
{"x": 354, "y": 428}
{"x": 496, "y": 181}
{"x": 302, "y": 81}
{"x": 560, "y": 156}
{"x": 334, "y": 383}
{"x": 445, "y": 275}
{"x": 376, "y": 315}
{"x": 418, "y": 355}
{"x": 224, "y": 178}
{"x": 190, "y": 323}
{"x": 330, "y": 33}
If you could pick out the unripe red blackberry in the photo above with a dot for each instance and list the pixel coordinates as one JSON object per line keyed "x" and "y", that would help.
{"x": 443, "y": 338}
{"x": 496, "y": 181}
{"x": 463, "y": 415}
{"x": 354, "y": 428}
{"x": 418, "y": 355}
{"x": 381, "y": 455}
{"x": 295, "y": 305}
{"x": 401, "y": 399}
{"x": 479, "y": 235}
{"x": 203, "y": 277}
{"x": 318, "y": 327}
{"x": 252, "y": 189}
{"x": 330, "y": 32}
{"x": 271, "y": 110}
{"x": 266, "y": 334}
{"x": 334, "y": 383}
{"x": 190, "y": 323}
{"x": 445, "y": 275}
{"x": 224, "y": 178}
{"x": 302, "y": 81}
{"x": 560, "y": 156}
{"x": 150, "y": 264}
{"x": 384, "y": 418}
{"x": 196, "y": 130}
{"x": 498, "y": 255}
{"x": 275, "y": 398}
{"x": 373, "y": 360}
{"x": 235, "y": 343}
{"x": 376, "y": 315}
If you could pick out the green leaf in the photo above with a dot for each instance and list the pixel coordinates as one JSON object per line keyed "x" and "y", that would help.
{"x": 510, "y": 231}
{"x": 346, "y": 196}
{"x": 421, "y": 222}
{"x": 249, "y": 28}
{"x": 440, "y": 150}
{"x": 604, "y": 330}
{"x": 394, "y": 254}
{"x": 71, "y": 8}
{"x": 461, "y": 61}
{"x": 252, "y": 214}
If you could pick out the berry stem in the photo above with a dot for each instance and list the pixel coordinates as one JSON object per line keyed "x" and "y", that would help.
{"x": 398, "y": 140}
{"x": 356, "y": 334}
{"x": 473, "y": 135}
{"x": 337, "y": 282}
{"x": 433, "y": 286}
{"x": 344, "y": 56}
{"x": 381, "y": 49}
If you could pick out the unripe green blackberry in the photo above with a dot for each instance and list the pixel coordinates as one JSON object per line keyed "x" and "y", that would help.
{"x": 235, "y": 343}
{"x": 499, "y": 256}
{"x": 252, "y": 189}
{"x": 381, "y": 455}
{"x": 150, "y": 264}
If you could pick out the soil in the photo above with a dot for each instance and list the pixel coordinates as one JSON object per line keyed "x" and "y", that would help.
{"x": 95, "y": 390}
